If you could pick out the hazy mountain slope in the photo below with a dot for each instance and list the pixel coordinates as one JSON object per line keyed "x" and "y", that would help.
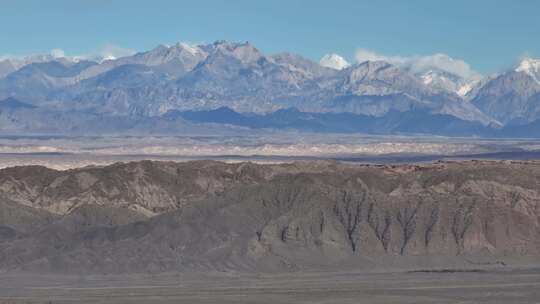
{"x": 21, "y": 118}
{"x": 375, "y": 88}
{"x": 174, "y": 60}
{"x": 308, "y": 215}
{"x": 527, "y": 130}
{"x": 11, "y": 65}
{"x": 36, "y": 81}
{"x": 512, "y": 97}
{"x": 11, "y": 104}
{"x": 393, "y": 122}
{"x": 6, "y": 67}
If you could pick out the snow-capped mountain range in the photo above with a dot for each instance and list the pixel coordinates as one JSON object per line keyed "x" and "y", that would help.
{"x": 185, "y": 77}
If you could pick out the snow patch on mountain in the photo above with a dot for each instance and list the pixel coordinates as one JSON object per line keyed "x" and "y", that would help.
{"x": 530, "y": 67}
{"x": 191, "y": 48}
{"x": 448, "y": 82}
{"x": 466, "y": 88}
{"x": 438, "y": 71}
{"x": 334, "y": 61}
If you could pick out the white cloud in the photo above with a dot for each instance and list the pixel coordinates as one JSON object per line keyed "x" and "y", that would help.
{"x": 419, "y": 64}
{"x": 445, "y": 63}
{"x": 362, "y": 55}
{"x": 334, "y": 61}
{"x": 58, "y": 53}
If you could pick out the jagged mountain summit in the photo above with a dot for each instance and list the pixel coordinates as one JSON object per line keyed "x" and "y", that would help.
{"x": 185, "y": 77}
{"x": 514, "y": 96}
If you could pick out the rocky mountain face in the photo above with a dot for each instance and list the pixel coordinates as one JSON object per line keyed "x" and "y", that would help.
{"x": 200, "y": 216}
{"x": 513, "y": 97}
{"x": 238, "y": 76}
{"x": 376, "y": 88}
{"x": 447, "y": 81}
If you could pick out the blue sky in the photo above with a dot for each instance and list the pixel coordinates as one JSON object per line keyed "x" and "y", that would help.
{"x": 489, "y": 35}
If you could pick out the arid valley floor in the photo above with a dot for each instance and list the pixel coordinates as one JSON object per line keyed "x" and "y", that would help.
{"x": 489, "y": 286}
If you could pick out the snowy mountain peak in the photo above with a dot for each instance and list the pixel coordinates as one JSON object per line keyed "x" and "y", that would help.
{"x": 334, "y": 61}
{"x": 530, "y": 67}
{"x": 528, "y": 64}
{"x": 184, "y": 54}
{"x": 245, "y": 52}
{"x": 190, "y": 48}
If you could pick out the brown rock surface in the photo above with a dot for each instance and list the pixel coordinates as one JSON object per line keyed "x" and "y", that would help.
{"x": 205, "y": 215}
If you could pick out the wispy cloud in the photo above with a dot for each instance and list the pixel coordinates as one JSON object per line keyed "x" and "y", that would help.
{"x": 363, "y": 55}
{"x": 58, "y": 53}
{"x": 418, "y": 64}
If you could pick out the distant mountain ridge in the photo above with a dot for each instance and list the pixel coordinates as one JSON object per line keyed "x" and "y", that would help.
{"x": 238, "y": 76}
{"x": 411, "y": 122}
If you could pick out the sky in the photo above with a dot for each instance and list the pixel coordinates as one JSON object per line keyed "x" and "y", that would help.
{"x": 488, "y": 35}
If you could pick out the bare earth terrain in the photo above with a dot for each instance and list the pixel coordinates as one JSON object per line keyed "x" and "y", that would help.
{"x": 302, "y": 232}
